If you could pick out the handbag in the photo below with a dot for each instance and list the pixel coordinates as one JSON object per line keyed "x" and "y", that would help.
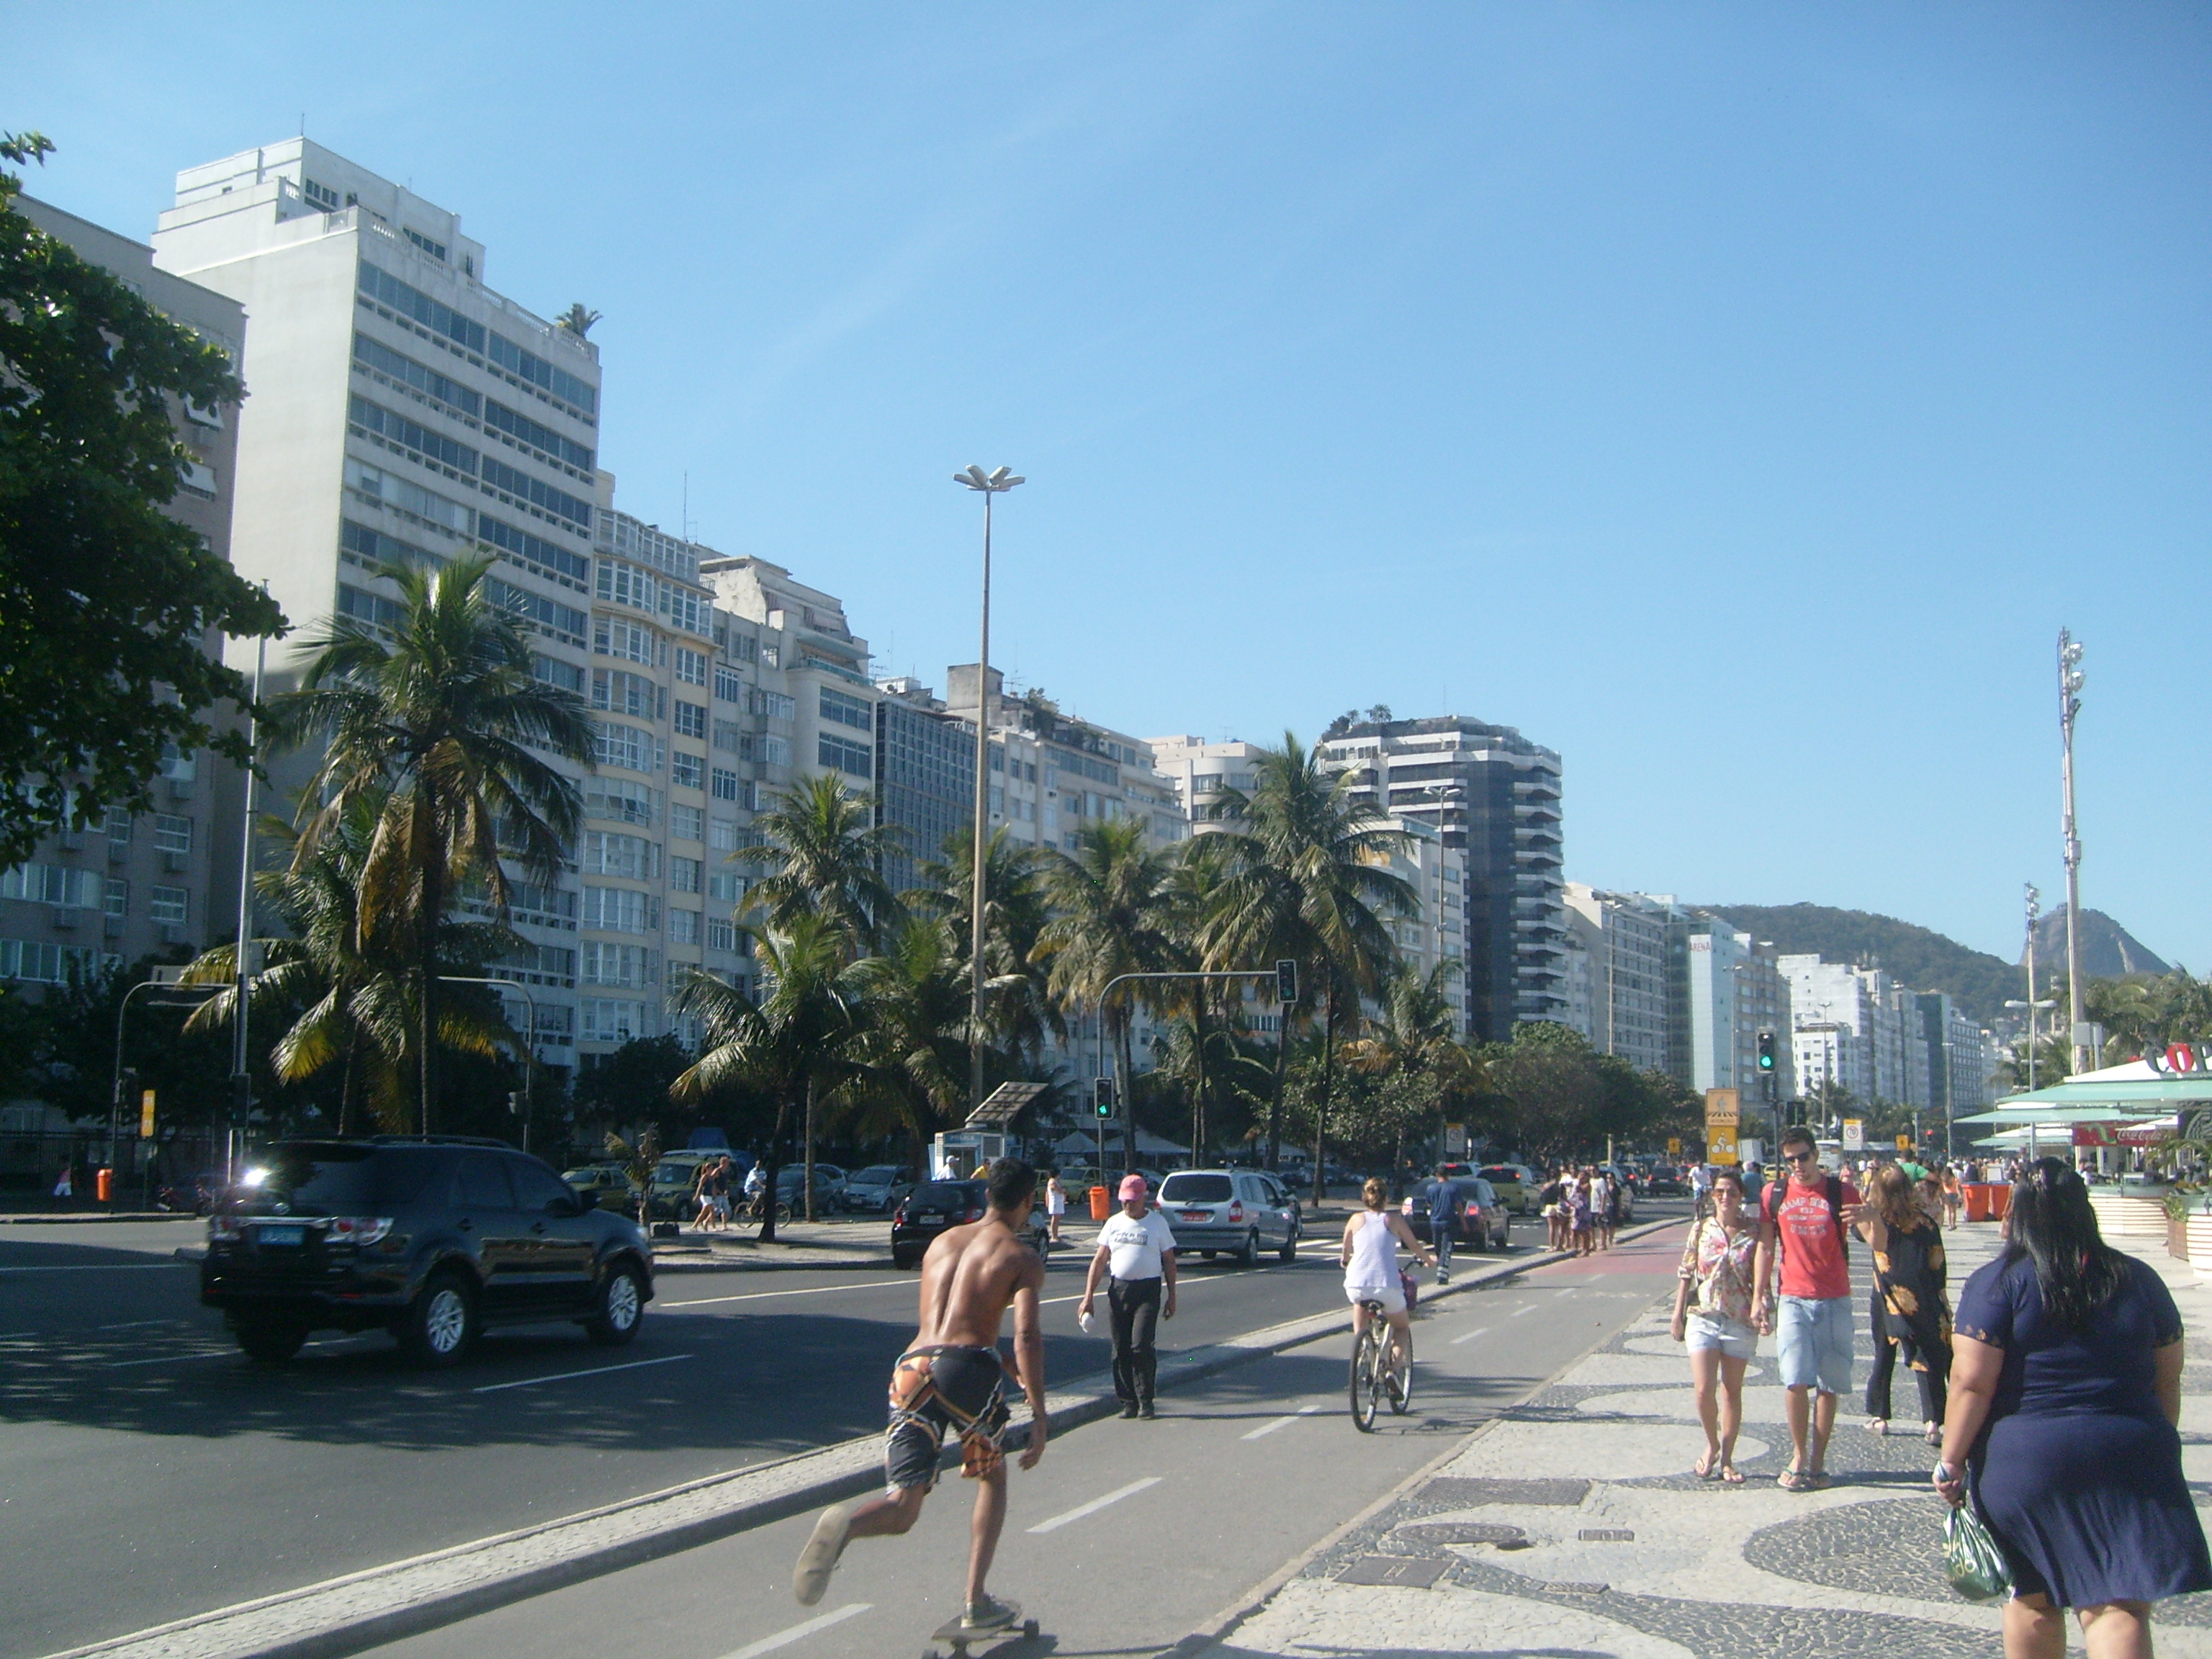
{"x": 1971, "y": 1560}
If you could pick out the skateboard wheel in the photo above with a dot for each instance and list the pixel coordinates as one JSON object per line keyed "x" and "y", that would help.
{"x": 1028, "y": 1627}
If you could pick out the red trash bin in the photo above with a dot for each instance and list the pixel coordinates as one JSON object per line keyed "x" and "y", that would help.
{"x": 2000, "y": 1202}
{"x": 103, "y": 1186}
{"x": 1102, "y": 1204}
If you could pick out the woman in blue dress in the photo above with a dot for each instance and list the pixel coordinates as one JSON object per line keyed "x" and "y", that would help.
{"x": 2065, "y": 1394}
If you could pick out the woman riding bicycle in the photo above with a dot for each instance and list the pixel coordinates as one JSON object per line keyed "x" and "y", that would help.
{"x": 1369, "y": 1259}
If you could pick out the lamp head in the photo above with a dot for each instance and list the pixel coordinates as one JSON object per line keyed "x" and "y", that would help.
{"x": 993, "y": 482}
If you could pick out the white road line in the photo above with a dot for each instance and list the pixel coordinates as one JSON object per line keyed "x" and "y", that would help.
{"x": 1517, "y": 1312}
{"x": 1279, "y": 1423}
{"x": 596, "y": 1371}
{"x": 1470, "y": 1336}
{"x": 161, "y": 1359}
{"x": 784, "y": 1639}
{"x": 810, "y": 1290}
{"x": 1093, "y": 1506}
{"x": 92, "y": 1267}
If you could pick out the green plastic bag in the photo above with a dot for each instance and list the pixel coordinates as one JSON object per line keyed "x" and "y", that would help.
{"x": 1971, "y": 1560}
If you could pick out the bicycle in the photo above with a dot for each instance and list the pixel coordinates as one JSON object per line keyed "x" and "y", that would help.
{"x": 1374, "y": 1379}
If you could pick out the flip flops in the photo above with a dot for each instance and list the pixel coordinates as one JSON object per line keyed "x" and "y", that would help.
{"x": 1708, "y": 1466}
{"x": 1800, "y": 1480}
{"x": 1730, "y": 1475}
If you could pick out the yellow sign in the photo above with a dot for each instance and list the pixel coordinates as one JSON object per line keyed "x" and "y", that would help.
{"x": 1720, "y": 1107}
{"x": 1905, "y": 1143}
{"x": 1674, "y": 1145}
{"x": 146, "y": 1116}
{"x": 1720, "y": 1144}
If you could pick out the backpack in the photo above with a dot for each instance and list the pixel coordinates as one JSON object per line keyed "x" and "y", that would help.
{"x": 1769, "y": 1209}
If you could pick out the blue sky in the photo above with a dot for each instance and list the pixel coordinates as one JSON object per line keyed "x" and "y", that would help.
{"x": 1735, "y": 398}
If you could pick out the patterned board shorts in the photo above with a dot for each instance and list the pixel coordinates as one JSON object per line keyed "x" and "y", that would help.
{"x": 935, "y": 1389}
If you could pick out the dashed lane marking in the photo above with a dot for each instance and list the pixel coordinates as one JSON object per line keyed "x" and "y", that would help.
{"x": 1470, "y": 1336}
{"x": 784, "y": 1639}
{"x": 1094, "y": 1505}
{"x": 1279, "y": 1423}
{"x": 596, "y": 1371}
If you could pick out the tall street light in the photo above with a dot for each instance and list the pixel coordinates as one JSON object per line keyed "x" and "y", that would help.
{"x": 987, "y": 485}
{"x": 2071, "y": 679}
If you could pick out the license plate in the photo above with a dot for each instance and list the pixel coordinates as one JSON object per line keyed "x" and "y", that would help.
{"x": 1197, "y": 1215}
{"x": 280, "y": 1234}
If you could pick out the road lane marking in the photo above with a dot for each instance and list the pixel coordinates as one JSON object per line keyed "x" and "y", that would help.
{"x": 161, "y": 1359}
{"x": 1470, "y": 1336}
{"x": 810, "y": 1290}
{"x": 92, "y": 1267}
{"x": 1526, "y": 1308}
{"x": 784, "y": 1639}
{"x": 1279, "y": 1423}
{"x": 596, "y": 1371}
{"x": 1095, "y": 1505}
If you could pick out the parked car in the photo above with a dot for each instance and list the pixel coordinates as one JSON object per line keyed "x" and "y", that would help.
{"x": 1621, "y": 1178}
{"x": 933, "y": 1205}
{"x": 1483, "y": 1223}
{"x": 1665, "y": 1183}
{"x": 430, "y": 1238}
{"x": 675, "y": 1180}
{"x": 1234, "y": 1211}
{"x": 1515, "y": 1184}
{"x": 609, "y": 1184}
{"x": 875, "y": 1189}
{"x": 829, "y": 1185}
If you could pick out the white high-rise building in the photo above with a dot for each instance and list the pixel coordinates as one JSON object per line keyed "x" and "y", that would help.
{"x": 1735, "y": 992}
{"x": 1623, "y": 938}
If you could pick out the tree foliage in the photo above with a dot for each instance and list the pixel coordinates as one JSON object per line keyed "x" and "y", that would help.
{"x": 106, "y": 602}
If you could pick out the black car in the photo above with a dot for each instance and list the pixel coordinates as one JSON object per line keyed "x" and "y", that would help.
{"x": 933, "y": 1205}
{"x": 430, "y": 1238}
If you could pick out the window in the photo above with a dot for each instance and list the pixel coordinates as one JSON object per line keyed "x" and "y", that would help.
{"x": 686, "y": 769}
{"x": 624, "y": 802}
{"x": 682, "y": 927}
{"x": 690, "y": 665}
{"x": 54, "y": 883}
{"x": 562, "y": 622}
{"x": 684, "y": 873}
{"x": 621, "y": 910}
{"x": 171, "y": 833}
{"x": 729, "y": 738}
{"x": 625, "y": 584}
{"x": 839, "y": 755}
{"x": 687, "y": 611}
{"x": 364, "y": 607}
{"x": 606, "y": 1019}
{"x": 729, "y": 686}
{"x": 997, "y": 806}
{"x": 43, "y": 964}
{"x": 528, "y": 366}
{"x": 411, "y": 438}
{"x": 631, "y": 641}
{"x": 165, "y": 903}
{"x": 360, "y": 544}
{"x": 435, "y": 250}
{"x": 610, "y": 853}
{"x": 721, "y": 934}
{"x": 626, "y": 965}
{"x": 119, "y": 828}
{"x": 727, "y": 885}
{"x": 774, "y": 704}
{"x": 521, "y": 486}
{"x": 498, "y": 417}
{"x": 621, "y": 692}
{"x": 382, "y": 359}
{"x": 690, "y": 719}
{"x": 630, "y": 746}
{"x": 725, "y": 785}
{"x": 686, "y": 823}
{"x": 568, "y": 676}
{"x": 847, "y": 711}
{"x": 776, "y": 751}
{"x": 418, "y": 307}
{"x": 745, "y": 648}
{"x": 408, "y": 500}
{"x": 722, "y": 834}
{"x": 118, "y": 896}
{"x": 569, "y": 569}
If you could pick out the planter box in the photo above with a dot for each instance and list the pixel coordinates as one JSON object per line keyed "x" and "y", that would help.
{"x": 2177, "y": 1237}
{"x": 2199, "y": 1246}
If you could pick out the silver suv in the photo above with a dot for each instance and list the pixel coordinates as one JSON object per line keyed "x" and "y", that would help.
{"x": 1239, "y": 1212}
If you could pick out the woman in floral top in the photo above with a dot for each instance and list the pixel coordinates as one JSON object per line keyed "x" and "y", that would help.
{"x": 1712, "y": 1316}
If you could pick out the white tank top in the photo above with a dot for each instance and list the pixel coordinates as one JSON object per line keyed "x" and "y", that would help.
{"x": 1374, "y": 1256}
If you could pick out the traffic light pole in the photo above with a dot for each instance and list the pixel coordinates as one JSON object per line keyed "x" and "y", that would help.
{"x": 1285, "y": 975}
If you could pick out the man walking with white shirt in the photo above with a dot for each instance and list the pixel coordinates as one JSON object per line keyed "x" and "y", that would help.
{"x": 1138, "y": 1248}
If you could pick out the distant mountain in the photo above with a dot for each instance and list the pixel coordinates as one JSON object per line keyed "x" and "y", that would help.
{"x": 1916, "y": 957}
{"x": 2108, "y": 950}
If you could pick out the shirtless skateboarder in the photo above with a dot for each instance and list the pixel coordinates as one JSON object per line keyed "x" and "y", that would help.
{"x": 951, "y": 1376}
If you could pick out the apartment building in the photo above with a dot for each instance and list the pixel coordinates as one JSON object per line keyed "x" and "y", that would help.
{"x": 1959, "y": 1070}
{"x": 1623, "y": 942}
{"x": 1495, "y": 798}
{"x": 1201, "y": 772}
{"x": 1735, "y": 990}
{"x": 159, "y": 883}
{"x": 1881, "y": 1047}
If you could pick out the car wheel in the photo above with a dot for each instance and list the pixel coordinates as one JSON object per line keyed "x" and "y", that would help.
{"x": 905, "y": 1261}
{"x": 1250, "y": 1256}
{"x": 441, "y": 1323}
{"x": 270, "y": 1341}
{"x": 1289, "y": 1250}
{"x": 619, "y": 1309}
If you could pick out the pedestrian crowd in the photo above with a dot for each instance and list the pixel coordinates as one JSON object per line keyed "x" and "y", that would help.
{"x": 1582, "y": 1208}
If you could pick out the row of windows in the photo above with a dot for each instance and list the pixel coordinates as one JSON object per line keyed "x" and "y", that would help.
{"x": 372, "y": 549}
{"x": 563, "y": 622}
{"x": 615, "y": 636}
{"x": 847, "y": 711}
{"x": 521, "y": 486}
{"x": 528, "y": 366}
{"x": 621, "y": 910}
{"x": 601, "y": 963}
{"x": 569, "y": 569}
{"x": 628, "y": 583}
{"x": 621, "y": 692}
{"x": 837, "y": 755}
{"x": 621, "y": 800}
{"x": 566, "y": 675}
{"x": 364, "y": 607}
{"x": 612, "y": 852}
{"x": 50, "y": 964}
{"x": 551, "y": 444}
{"x": 1097, "y": 771}
{"x": 409, "y": 499}
{"x": 632, "y": 747}
{"x": 405, "y": 371}
{"x": 440, "y": 319}
{"x": 449, "y": 455}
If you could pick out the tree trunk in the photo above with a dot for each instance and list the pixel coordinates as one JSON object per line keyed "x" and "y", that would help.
{"x": 434, "y": 902}
{"x": 1327, "y": 1082}
{"x": 809, "y": 1182}
{"x": 345, "y": 1086}
{"x": 1198, "y": 1089}
{"x": 1282, "y": 1081}
{"x": 773, "y": 1164}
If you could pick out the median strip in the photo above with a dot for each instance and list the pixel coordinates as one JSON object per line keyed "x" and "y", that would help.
{"x": 363, "y": 1609}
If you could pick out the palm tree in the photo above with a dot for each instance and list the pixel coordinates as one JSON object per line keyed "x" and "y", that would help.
{"x": 1303, "y": 875}
{"x": 1412, "y": 1036}
{"x": 914, "y": 1043}
{"x": 434, "y": 720}
{"x": 832, "y": 861}
{"x": 795, "y": 1046}
{"x": 1018, "y": 1006}
{"x": 1114, "y": 900}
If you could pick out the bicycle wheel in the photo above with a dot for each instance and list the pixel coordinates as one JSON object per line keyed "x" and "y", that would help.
{"x": 1366, "y": 1375}
{"x": 1400, "y": 1385}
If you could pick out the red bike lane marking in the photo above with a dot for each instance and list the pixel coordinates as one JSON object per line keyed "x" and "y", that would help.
{"x": 1655, "y": 1254}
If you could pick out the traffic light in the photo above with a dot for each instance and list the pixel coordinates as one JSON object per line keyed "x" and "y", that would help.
{"x": 1102, "y": 1096}
{"x": 1287, "y": 983}
{"x": 1765, "y": 1054}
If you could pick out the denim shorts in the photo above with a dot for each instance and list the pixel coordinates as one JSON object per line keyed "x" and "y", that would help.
{"x": 1813, "y": 1341}
{"x": 1731, "y": 1336}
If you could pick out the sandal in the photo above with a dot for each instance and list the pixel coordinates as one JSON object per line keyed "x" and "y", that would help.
{"x": 1933, "y": 1435}
{"x": 1877, "y": 1426}
{"x": 1818, "y": 1481}
{"x": 1730, "y": 1475}
{"x": 1794, "y": 1480}
{"x": 1708, "y": 1468}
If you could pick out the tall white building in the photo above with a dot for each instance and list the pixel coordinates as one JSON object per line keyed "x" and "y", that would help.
{"x": 1201, "y": 772}
{"x": 1623, "y": 940}
{"x": 1734, "y": 993}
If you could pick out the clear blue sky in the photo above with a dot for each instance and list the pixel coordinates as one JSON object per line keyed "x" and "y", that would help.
{"x": 1736, "y": 398}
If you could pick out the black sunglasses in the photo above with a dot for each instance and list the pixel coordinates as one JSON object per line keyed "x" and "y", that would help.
{"x": 1801, "y": 1157}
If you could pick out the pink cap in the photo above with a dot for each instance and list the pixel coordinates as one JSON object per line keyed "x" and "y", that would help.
{"x": 1133, "y": 1186}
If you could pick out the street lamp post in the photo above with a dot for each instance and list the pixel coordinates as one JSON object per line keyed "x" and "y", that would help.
{"x": 529, "y": 1055}
{"x": 987, "y": 485}
{"x": 2071, "y": 680}
{"x": 241, "y": 1080}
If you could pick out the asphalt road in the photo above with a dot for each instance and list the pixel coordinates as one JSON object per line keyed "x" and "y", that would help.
{"x": 149, "y": 1472}
{"x": 1129, "y": 1534}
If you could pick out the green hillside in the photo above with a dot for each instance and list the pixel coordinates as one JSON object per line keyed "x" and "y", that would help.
{"x": 1921, "y": 958}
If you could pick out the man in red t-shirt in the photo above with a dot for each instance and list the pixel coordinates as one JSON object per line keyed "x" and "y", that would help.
{"x": 1801, "y": 1220}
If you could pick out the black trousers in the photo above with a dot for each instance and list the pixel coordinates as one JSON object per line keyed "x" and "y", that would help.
{"x": 1934, "y": 1382}
{"x": 1132, "y": 1308}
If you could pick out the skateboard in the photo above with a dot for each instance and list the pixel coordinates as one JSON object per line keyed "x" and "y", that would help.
{"x": 958, "y": 1636}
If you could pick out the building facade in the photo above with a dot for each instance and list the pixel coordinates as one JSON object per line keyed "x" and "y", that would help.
{"x": 1734, "y": 992}
{"x": 1623, "y": 939}
{"x": 163, "y": 882}
{"x": 1495, "y": 798}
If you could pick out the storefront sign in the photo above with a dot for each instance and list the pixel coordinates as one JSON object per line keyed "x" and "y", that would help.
{"x": 2181, "y": 1060}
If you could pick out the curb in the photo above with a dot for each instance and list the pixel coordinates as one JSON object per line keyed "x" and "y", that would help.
{"x": 77, "y": 1219}
{"x": 344, "y": 1615}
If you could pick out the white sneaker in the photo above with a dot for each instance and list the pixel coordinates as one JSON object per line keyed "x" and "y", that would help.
{"x": 818, "y": 1559}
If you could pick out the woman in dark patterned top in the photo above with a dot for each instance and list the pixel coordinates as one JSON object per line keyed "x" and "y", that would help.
{"x": 1911, "y": 1312}
{"x": 2065, "y": 1394}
